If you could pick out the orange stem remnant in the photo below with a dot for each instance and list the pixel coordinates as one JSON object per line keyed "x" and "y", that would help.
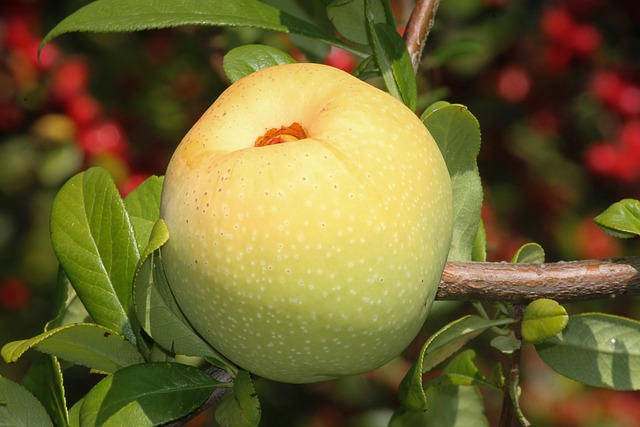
{"x": 293, "y": 132}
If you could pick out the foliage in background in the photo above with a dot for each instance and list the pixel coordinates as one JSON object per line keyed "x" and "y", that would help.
{"x": 557, "y": 100}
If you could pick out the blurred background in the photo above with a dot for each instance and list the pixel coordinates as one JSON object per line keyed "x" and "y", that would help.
{"x": 555, "y": 86}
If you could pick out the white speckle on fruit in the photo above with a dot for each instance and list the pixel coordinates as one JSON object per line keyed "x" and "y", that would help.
{"x": 315, "y": 258}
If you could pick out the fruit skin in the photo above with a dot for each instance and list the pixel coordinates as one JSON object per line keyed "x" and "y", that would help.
{"x": 311, "y": 259}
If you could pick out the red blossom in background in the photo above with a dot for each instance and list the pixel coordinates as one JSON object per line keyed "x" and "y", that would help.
{"x": 67, "y": 79}
{"x": 341, "y": 59}
{"x": 567, "y": 39}
{"x": 619, "y": 158}
{"x": 514, "y": 84}
{"x": 14, "y": 294}
{"x": 132, "y": 182}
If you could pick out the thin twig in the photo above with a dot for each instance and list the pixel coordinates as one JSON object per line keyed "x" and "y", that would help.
{"x": 418, "y": 29}
{"x": 561, "y": 281}
{"x": 512, "y": 377}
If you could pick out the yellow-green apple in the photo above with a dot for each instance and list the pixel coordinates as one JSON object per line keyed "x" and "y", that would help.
{"x": 310, "y": 219}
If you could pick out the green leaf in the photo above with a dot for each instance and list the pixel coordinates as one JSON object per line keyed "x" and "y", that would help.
{"x": 433, "y": 107}
{"x": 61, "y": 298}
{"x": 157, "y": 238}
{"x": 529, "y": 253}
{"x": 44, "y": 380}
{"x": 596, "y": 349}
{"x": 479, "y": 249}
{"x": 93, "y": 238}
{"x": 393, "y": 60}
{"x": 313, "y": 12}
{"x": 20, "y": 408}
{"x": 543, "y": 319}
{"x": 240, "y": 407}
{"x": 146, "y": 394}
{"x": 621, "y": 219}
{"x": 514, "y": 393}
{"x": 497, "y": 375}
{"x": 244, "y": 60}
{"x": 74, "y": 414}
{"x": 456, "y": 48}
{"x": 506, "y": 343}
{"x": 461, "y": 370}
{"x": 44, "y": 377}
{"x": 455, "y": 407}
{"x": 125, "y": 15}
{"x": 314, "y": 50}
{"x": 85, "y": 344}
{"x": 457, "y": 133}
{"x": 158, "y": 312}
{"x": 143, "y": 207}
{"x": 450, "y": 406}
{"x": 439, "y": 347}
{"x": 348, "y": 17}
{"x": 453, "y": 336}
{"x": 69, "y": 308}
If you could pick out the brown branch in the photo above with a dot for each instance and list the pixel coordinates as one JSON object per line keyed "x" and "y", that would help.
{"x": 514, "y": 283}
{"x": 561, "y": 281}
{"x": 418, "y": 28}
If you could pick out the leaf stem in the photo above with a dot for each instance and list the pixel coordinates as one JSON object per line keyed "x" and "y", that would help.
{"x": 418, "y": 29}
{"x": 561, "y": 281}
{"x": 480, "y": 309}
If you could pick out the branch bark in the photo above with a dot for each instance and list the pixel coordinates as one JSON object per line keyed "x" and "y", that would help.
{"x": 520, "y": 283}
{"x": 418, "y": 29}
{"x": 561, "y": 281}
